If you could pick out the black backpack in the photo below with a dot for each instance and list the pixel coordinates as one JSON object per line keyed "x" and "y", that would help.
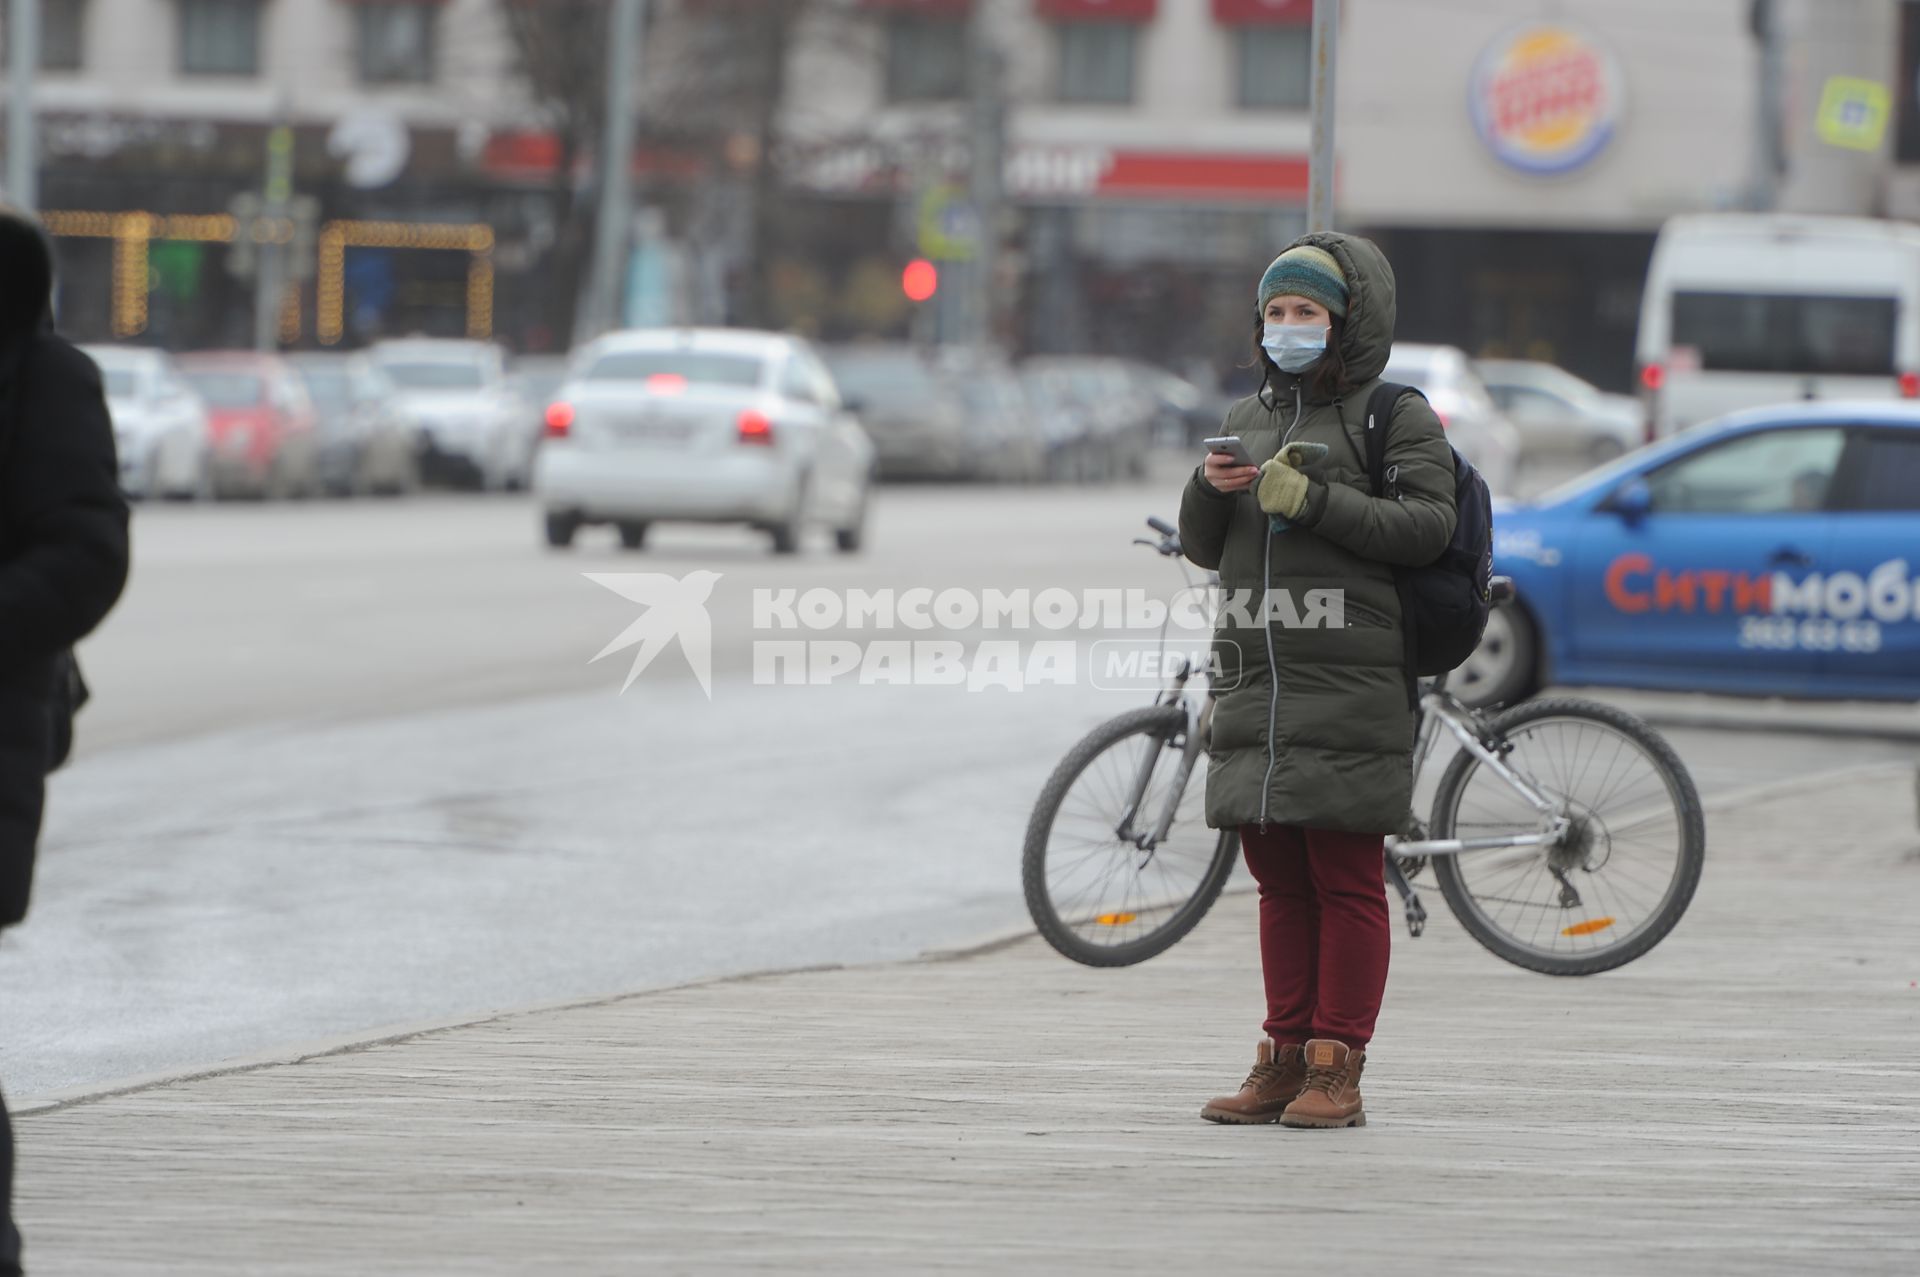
{"x": 1444, "y": 605}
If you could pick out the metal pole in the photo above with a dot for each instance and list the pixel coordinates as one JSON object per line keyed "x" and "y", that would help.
{"x": 269, "y": 281}
{"x": 984, "y": 188}
{"x": 611, "y": 226}
{"x": 1326, "y": 50}
{"x": 1770, "y": 156}
{"x": 23, "y": 60}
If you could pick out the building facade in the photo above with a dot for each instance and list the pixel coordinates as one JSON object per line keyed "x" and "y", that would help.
{"x": 1514, "y": 157}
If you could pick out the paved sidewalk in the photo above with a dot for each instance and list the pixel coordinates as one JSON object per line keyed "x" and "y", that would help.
{"x": 1744, "y": 1099}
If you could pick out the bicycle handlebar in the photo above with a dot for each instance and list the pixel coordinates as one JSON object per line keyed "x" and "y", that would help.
{"x": 1169, "y": 542}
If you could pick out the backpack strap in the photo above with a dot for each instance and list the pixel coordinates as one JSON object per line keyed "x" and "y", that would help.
{"x": 1380, "y": 405}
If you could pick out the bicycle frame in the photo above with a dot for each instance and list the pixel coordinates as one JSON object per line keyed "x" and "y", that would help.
{"x": 1438, "y": 709}
{"x": 1199, "y": 727}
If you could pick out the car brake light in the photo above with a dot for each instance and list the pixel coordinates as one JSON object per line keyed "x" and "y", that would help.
{"x": 559, "y": 420}
{"x": 666, "y": 383}
{"x": 1652, "y": 378}
{"x": 1910, "y": 385}
{"x": 1443, "y": 418}
{"x": 755, "y": 428}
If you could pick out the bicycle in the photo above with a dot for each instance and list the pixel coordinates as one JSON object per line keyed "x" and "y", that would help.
{"x": 1518, "y": 843}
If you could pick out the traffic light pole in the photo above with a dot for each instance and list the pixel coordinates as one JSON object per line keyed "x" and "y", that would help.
{"x": 1326, "y": 51}
{"x": 988, "y": 126}
{"x": 23, "y": 56}
{"x": 611, "y": 225}
{"x": 269, "y": 279}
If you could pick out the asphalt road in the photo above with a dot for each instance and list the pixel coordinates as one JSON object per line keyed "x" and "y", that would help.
{"x": 349, "y": 766}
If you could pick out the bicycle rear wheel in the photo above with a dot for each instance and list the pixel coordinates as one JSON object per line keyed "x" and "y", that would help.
{"x": 1103, "y": 900}
{"x": 1627, "y": 869}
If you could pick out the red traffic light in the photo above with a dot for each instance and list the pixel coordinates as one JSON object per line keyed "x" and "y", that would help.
{"x": 920, "y": 280}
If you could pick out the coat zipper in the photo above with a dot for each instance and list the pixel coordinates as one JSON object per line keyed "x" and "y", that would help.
{"x": 1266, "y": 624}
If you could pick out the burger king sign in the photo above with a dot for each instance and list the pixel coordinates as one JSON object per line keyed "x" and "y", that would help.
{"x": 1545, "y": 98}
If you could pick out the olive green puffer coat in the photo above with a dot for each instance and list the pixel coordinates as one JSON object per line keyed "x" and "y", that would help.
{"x": 1312, "y": 724}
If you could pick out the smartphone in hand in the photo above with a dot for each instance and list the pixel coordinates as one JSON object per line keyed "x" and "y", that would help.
{"x": 1229, "y": 446}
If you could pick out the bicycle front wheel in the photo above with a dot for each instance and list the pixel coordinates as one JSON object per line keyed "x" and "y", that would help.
{"x": 1106, "y": 900}
{"x": 1627, "y": 868}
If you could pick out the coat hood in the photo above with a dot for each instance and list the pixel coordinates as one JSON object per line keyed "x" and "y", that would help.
{"x": 1367, "y": 336}
{"x": 26, "y": 285}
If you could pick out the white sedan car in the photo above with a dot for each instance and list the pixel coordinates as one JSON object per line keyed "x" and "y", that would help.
{"x": 703, "y": 426}
{"x": 159, "y": 424}
{"x": 468, "y": 425}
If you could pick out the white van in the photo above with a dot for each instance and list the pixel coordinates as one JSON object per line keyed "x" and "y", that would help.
{"x": 1747, "y": 309}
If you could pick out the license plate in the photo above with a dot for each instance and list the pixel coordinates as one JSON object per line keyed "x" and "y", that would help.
{"x": 652, "y": 430}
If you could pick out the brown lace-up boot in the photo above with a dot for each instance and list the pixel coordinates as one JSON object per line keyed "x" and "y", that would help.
{"x": 1331, "y": 1096}
{"x": 1278, "y": 1074}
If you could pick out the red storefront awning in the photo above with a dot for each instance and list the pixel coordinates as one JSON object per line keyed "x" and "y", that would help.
{"x": 1248, "y": 13}
{"x": 1097, "y": 10}
{"x": 1186, "y": 175}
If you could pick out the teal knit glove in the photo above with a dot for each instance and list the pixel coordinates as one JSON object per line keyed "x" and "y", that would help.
{"x": 1283, "y": 489}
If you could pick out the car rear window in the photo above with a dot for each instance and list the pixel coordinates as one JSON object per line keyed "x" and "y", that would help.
{"x": 439, "y": 374}
{"x": 1414, "y": 370}
{"x": 699, "y": 367}
{"x": 1787, "y": 332}
{"x": 884, "y": 380}
{"x": 229, "y": 389}
{"x": 329, "y": 386}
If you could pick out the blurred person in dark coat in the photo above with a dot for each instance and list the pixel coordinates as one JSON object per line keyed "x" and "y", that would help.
{"x": 63, "y": 561}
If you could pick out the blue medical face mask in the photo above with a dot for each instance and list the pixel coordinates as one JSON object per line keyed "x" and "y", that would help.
{"x": 1295, "y": 347}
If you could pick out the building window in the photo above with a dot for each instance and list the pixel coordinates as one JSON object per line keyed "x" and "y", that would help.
{"x": 926, "y": 59}
{"x": 220, "y": 37}
{"x": 396, "y": 41}
{"x": 1096, "y": 61}
{"x": 62, "y": 34}
{"x": 1276, "y": 67}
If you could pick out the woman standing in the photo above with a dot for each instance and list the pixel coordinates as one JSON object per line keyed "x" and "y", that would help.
{"x": 1313, "y": 730}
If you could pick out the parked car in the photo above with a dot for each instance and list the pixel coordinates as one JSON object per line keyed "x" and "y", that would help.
{"x": 1557, "y": 412}
{"x": 1184, "y": 414}
{"x": 534, "y": 381}
{"x": 1122, "y": 414}
{"x": 1076, "y": 453}
{"x": 997, "y": 403}
{"x": 1473, "y": 422}
{"x": 1769, "y": 553}
{"x": 998, "y": 410}
{"x": 914, "y": 410}
{"x": 159, "y": 424}
{"x": 260, "y": 423}
{"x": 708, "y": 426}
{"x": 1746, "y": 309}
{"x": 364, "y": 443}
{"x": 468, "y": 426}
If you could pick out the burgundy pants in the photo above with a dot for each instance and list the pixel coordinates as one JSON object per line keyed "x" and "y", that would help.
{"x": 1324, "y": 930}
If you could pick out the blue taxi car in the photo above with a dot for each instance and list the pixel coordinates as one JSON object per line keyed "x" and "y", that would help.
{"x": 1770, "y": 553}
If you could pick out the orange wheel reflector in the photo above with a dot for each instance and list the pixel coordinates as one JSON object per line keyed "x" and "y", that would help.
{"x": 1115, "y": 919}
{"x": 1588, "y": 927}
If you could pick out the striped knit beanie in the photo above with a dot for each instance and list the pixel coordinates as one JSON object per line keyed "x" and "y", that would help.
{"x": 1309, "y": 272}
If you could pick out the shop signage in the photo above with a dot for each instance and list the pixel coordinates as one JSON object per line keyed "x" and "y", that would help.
{"x": 1546, "y": 98}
